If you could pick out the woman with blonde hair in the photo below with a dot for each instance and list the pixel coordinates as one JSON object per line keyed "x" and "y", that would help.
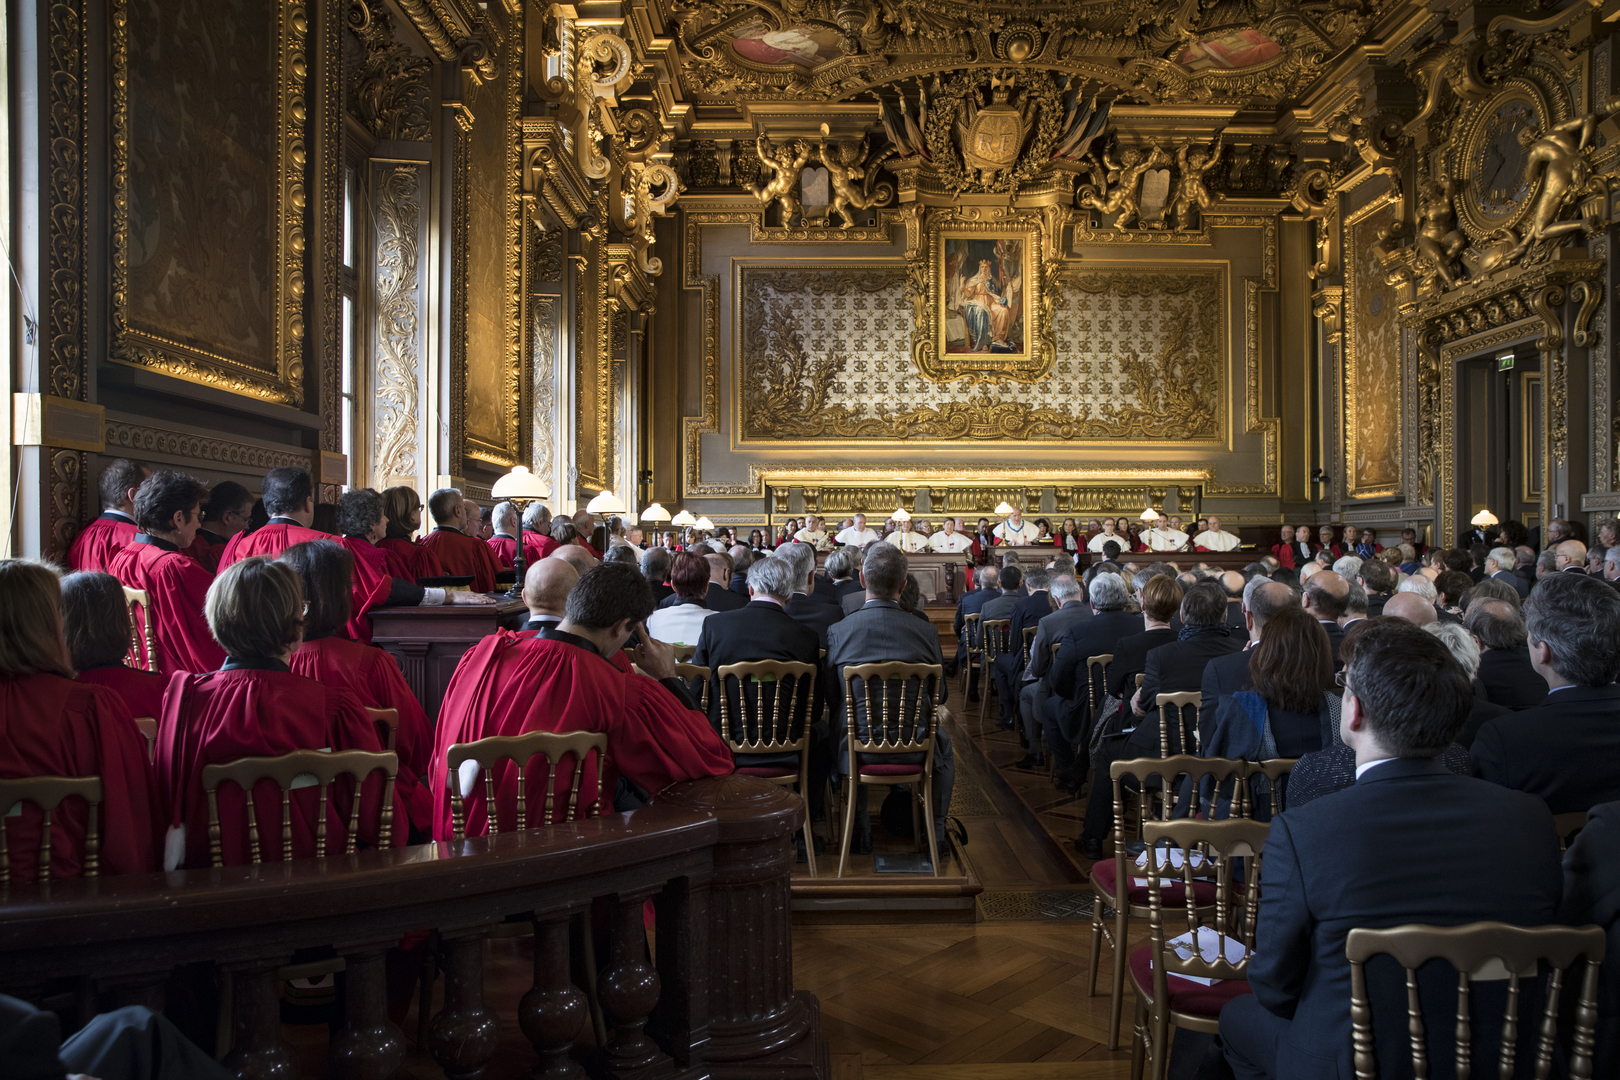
{"x": 51, "y": 725}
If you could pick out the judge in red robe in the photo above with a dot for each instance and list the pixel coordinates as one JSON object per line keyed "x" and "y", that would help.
{"x": 407, "y": 558}
{"x": 370, "y": 674}
{"x": 224, "y": 514}
{"x": 560, "y": 679}
{"x": 505, "y": 541}
{"x": 53, "y": 726}
{"x": 114, "y": 530}
{"x": 461, "y": 555}
{"x": 166, "y": 506}
{"x": 255, "y": 706}
{"x": 96, "y": 626}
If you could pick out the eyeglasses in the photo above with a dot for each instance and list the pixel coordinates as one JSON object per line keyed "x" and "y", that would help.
{"x": 1341, "y": 679}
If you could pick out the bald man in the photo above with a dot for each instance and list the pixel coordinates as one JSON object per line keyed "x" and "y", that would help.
{"x": 579, "y": 557}
{"x": 545, "y": 591}
{"x": 1327, "y": 596}
{"x": 720, "y": 596}
{"x": 1412, "y": 607}
{"x": 1571, "y": 557}
{"x": 1233, "y": 582}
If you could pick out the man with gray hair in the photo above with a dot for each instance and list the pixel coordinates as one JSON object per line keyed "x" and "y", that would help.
{"x": 1565, "y": 750}
{"x": 1546, "y": 563}
{"x": 1066, "y": 721}
{"x": 1347, "y": 566}
{"x": 882, "y": 632}
{"x": 1505, "y": 670}
{"x": 1027, "y": 612}
{"x": 655, "y": 564}
{"x": 1070, "y": 608}
{"x": 1499, "y": 566}
{"x": 1611, "y": 566}
{"x": 988, "y": 580}
{"x": 803, "y": 606}
{"x": 1378, "y": 578}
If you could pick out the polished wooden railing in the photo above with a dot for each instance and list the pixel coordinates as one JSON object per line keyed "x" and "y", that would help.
{"x": 714, "y": 855}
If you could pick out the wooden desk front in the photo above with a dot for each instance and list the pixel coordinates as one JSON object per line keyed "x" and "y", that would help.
{"x": 1186, "y": 560}
{"x": 429, "y": 641}
{"x": 939, "y": 575}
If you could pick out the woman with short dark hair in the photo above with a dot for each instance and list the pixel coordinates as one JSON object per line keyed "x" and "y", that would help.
{"x": 254, "y": 706}
{"x": 1290, "y": 701}
{"x": 96, "y": 625}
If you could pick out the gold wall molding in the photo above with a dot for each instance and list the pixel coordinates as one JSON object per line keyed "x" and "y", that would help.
{"x": 1371, "y": 417}
{"x": 544, "y": 314}
{"x": 390, "y": 91}
{"x": 327, "y": 128}
{"x": 278, "y": 375}
{"x": 1255, "y": 422}
{"x": 397, "y": 298}
{"x": 134, "y": 440}
{"x": 441, "y": 26}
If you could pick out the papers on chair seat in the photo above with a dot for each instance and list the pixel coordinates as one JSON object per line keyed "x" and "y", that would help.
{"x": 1174, "y": 856}
{"x": 1209, "y": 950}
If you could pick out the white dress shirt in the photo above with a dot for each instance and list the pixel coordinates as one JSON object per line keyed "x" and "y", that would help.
{"x": 1211, "y": 540}
{"x": 1166, "y": 539}
{"x": 1102, "y": 538}
{"x": 859, "y": 538}
{"x": 678, "y": 624}
{"x": 908, "y": 541}
{"x": 816, "y": 538}
{"x": 1016, "y": 535}
{"x": 950, "y": 543}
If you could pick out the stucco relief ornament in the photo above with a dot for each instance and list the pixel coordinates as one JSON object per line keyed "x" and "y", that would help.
{"x": 991, "y": 135}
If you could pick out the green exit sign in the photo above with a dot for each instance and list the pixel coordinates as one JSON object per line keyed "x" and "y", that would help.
{"x": 1504, "y": 362}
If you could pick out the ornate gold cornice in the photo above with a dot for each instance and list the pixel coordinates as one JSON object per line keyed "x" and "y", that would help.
{"x": 442, "y": 24}
{"x": 144, "y": 440}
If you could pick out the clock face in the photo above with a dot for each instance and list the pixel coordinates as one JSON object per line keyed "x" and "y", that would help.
{"x": 1499, "y": 187}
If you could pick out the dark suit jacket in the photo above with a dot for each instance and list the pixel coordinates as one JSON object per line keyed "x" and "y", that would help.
{"x": 828, "y": 593}
{"x": 1029, "y": 611}
{"x": 1526, "y": 574}
{"x": 879, "y": 632}
{"x": 1507, "y": 577}
{"x": 999, "y": 607}
{"x": 816, "y": 615}
{"x": 1130, "y": 659}
{"x": 1048, "y": 632}
{"x": 739, "y": 584}
{"x": 1223, "y": 675}
{"x": 1092, "y": 637}
{"x": 1565, "y": 750}
{"x": 1592, "y": 895}
{"x": 1234, "y": 617}
{"x": 716, "y": 599}
{"x": 972, "y": 603}
{"x": 759, "y": 630}
{"x": 661, "y": 592}
{"x": 1172, "y": 669}
{"x": 1509, "y": 680}
{"x": 1335, "y": 634}
{"x": 1426, "y": 847}
{"x": 1375, "y": 604}
{"x": 1482, "y": 713}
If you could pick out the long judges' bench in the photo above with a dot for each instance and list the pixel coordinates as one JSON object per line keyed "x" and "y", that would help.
{"x": 714, "y": 856}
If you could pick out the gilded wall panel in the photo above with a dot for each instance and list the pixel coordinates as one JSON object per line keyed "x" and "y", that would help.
{"x": 1372, "y": 367}
{"x": 400, "y": 227}
{"x": 209, "y": 210}
{"x": 1141, "y": 354}
{"x": 490, "y": 270}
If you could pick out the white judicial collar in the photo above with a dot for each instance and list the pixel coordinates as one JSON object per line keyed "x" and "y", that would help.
{"x": 1100, "y": 539}
{"x": 1017, "y": 535}
{"x": 851, "y": 536}
{"x": 1217, "y": 541}
{"x": 908, "y": 541}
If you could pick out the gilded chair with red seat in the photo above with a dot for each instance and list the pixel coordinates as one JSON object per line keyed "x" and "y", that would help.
{"x": 770, "y": 737}
{"x": 891, "y": 716}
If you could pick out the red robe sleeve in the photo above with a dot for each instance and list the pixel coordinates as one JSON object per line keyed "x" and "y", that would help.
{"x": 369, "y": 587}
{"x": 658, "y": 741}
{"x": 381, "y": 686}
{"x": 98, "y": 542}
{"x": 178, "y": 588}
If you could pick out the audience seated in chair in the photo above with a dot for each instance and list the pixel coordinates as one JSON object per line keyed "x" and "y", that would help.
{"x": 1288, "y": 709}
{"x": 53, "y": 726}
{"x": 681, "y": 622}
{"x": 96, "y": 626}
{"x": 1409, "y": 842}
{"x": 1066, "y": 723}
{"x": 1505, "y": 671}
{"x": 1070, "y": 608}
{"x": 1592, "y": 895}
{"x": 115, "y": 529}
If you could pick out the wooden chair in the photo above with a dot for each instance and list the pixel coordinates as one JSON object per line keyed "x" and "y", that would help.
{"x": 975, "y": 648}
{"x": 1164, "y": 1001}
{"x": 1097, "y": 680}
{"x": 1029, "y": 640}
{"x": 1113, "y": 881}
{"x": 520, "y": 750}
{"x": 766, "y": 725}
{"x": 904, "y": 728}
{"x": 386, "y": 721}
{"x": 147, "y": 726}
{"x": 995, "y": 637}
{"x": 289, "y": 771}
{"x": 1180, "y": 703}
{"x": 1275, "y": 773}
{"x": 1482, "y": 950}
{"x": 697, "y": 679}
{"x": 684, "y": 653}
{"x": 140, "y": 604}
{"x": 47, "y": 793}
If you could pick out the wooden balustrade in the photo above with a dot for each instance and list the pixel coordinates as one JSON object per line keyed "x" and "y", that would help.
{"x": 715, "y": 856}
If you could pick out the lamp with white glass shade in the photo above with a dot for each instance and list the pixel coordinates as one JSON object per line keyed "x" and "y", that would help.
{"x": 1150, "y": 514}
{"x": 682, "y": 519}
{"x": 704, "y": 523}
{"x": 1484, "y": 518}
{"x": 655, "y": 513}
{"x": 520, "y": 487}
{"x": 1003, "y": 508}
{"x": 900, "y": 515}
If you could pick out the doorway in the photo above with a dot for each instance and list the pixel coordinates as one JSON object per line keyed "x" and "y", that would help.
{"x": 1499, "y": 414}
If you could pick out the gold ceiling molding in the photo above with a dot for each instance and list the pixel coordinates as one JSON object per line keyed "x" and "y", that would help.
{"x": 443, "y": 25}
{"x": 279, "y": 377}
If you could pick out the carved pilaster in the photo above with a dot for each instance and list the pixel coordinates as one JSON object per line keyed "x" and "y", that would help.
{"x": 397, "y": 288}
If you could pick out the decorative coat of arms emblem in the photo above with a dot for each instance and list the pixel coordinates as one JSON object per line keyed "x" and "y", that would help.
{"x": 992, "y": 135}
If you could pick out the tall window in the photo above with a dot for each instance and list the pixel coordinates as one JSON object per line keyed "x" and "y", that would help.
{"x": 349, "y": 330}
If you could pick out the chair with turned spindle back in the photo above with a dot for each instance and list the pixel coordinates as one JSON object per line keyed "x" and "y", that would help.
{"x": 143, "y": 647}
{"x": 47, "y": 793}
{"x": 290, "y": 772}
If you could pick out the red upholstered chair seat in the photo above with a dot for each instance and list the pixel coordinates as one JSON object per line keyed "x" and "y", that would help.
{"x": 890, "y": 770}
{"x": 768, "y": 772}
{"x": 1186, "y": 996}
{"x": 1171, "y": 893}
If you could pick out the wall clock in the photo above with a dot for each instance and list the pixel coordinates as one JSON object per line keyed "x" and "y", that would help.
{"x": 1496, "y": 192}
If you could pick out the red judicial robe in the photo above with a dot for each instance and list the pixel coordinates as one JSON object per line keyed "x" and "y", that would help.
{"x": 262, "y": 711}
{"x": 373, "y": 677}
{"x": 51, "y": 726}
{"x": 178, "y": 587}
{"x": 410, "y": 560}
{"x": 1285, "y": 553}
{"x": 100, "y": 540}
{"x": 207, "y": 548}
{"x": 141, "y": 691}
{"x": 505, "y": 549}
{"x": 461, "y": 555}
{"x": 369, "y": 588}
{"x": 512, "y": 683}
{"x": 372, "y": 577}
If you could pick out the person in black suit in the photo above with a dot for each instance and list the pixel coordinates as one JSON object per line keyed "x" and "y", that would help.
{"x": 880, "y": 632}
{"x": 1592, "y": 895}
{"x": 1226, "y": 675}
{"x": 1564, "y": 750}
{"x": 655, "y": 564}
{"x": 1160, "y": 598}
{"x": 989, "y": 582}
{"x": 1065, "y": 719}
{"x": 1378, "y": 578}
{"x": 1037, "y": 687}
{"x": 1499, "y": 564}
{"x": 804, "y": 607}
{"x": 1410, "y": 842}
{"x": 1570, "y": 558}
{"x": 1026, "y": 611}
{"x": 1233, "y": 583}
{"x": 1505, "y": 670}
{"x": 1326, "y": 595}
{"x": 741, "y": 559}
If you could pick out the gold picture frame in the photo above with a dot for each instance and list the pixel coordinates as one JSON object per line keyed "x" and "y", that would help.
{"x": 985, "y": 310}
{"x": 266, "y": 358}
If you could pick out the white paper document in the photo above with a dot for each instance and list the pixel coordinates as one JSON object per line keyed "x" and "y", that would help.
{"x": 1209, "y": 950}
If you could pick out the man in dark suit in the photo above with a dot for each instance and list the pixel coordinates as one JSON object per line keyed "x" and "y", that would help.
{"x": 1378, "y": 578}
{"x": 1072, "y": 608}
{"x": 1592, "y": 895}
{"x": 719, "y": 597}
{"x": 1499, "y": 564}
{"x": 741, "y": 559}
{"x": 763, "y": 630}
{"x": 655, "y": 564}
{"x": 882, "y": 632}
{"x": 804, "y": 607}
{"x": 1410, "y": 842}
{"x": 1159, "y": 598}
{"x": 972, "y": 603}
{"x": 1026, "y": 611}
{"x": 1325, "y": 597}
{"x": 1233, "y": 583}
{"x": 1001, "y": 607}
{"x": 1225, "y": 675}
{"x": 839, "y": 580}
{"x": 1565, "y": 749}
{"x": 1065, "y": 721}
{"x": 1505, "y": 670}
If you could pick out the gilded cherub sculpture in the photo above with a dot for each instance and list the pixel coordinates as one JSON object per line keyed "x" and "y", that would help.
{"x": 786, "y": 162}
{"x": 1126, "y": 175}
{"x": 1192, "y": 162}
{"x": 845, "y": 169}
{"x": 1559, "y": 156}
{"x": 1439, "y": 242}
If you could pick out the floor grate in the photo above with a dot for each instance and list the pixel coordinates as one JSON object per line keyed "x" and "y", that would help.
{"x": 1036, "y": 904}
